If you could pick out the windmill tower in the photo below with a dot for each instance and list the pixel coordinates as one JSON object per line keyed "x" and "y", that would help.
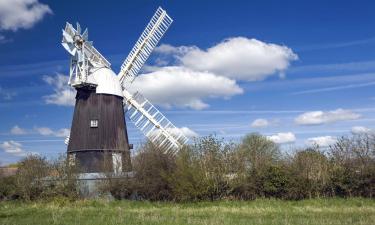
{"x": 98, "y": 132}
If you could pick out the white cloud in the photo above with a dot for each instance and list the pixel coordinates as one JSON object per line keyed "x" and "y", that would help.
{"x": 182, "y": 87}
{"x": 238, "y": 58}
{"x": 188, "y": 132}
{"x": 321, "y": 117}
{"x": 283, "y": 138}
{"x": 323, "y": 141}
{"x": 16, "y": 130}
{"x": 46, "y": 131}
{"x": 260, "y": 123}
{"x": 64, "y": 95}
{"x": 192, "y": 75}
{"x": 13, "y": 147}
{"x": 64, "y": 132}
{"x": 16, "y": 14}
{"x": 360, "y": 130}
{"x": 172, "y": 50}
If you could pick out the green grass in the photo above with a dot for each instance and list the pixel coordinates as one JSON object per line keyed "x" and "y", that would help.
{"x": 322, "y": 211}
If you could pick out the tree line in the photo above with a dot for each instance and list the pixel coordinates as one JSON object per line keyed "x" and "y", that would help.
{"x": 212, "y": 169}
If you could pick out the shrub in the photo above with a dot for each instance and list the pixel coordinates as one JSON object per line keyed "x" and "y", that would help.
{"x": 211, "y": 169}
{"x": 152, "y": 167}
{"x": 274, "y": 182}
{"x": 29, "y": 176}
{"x": 8, "y": 188}
{"x": 188, "y": 179}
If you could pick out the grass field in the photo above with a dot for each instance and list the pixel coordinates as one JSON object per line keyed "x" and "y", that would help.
{"x": 323, "y": 211}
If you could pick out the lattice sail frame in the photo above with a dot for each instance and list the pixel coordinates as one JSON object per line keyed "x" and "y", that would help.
{"x": 143, "y": 48}
{"x": 153, "y": 124}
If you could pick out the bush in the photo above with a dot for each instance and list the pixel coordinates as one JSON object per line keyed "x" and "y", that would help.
{"x": 274, "y": 182}
{"x": 353, "y": 162}
{"x": 188, "y": 180}
{"x": 38, "y": 178}
{"x": 212, "y": 169}
{"x": 253, "y": 159}
{"x": 311, "y": 170}
{"x": 214, "y": 162}
{"x": 8, "y": 188}
{"x": 61, "y": 179}
{"x": 29, "y": 176}
{"x": 152, "y": 167}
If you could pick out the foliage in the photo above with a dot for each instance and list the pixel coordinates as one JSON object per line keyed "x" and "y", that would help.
{"x": 29, "y": 176}
{"x": 8, "y": 188}
{"x": 38, "y": 178}
{"x": 212, "y": 169}
{"x": 188, "y": 179}
{"x": 152, "y": 167}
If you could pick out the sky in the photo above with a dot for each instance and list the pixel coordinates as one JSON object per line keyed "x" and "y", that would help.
{"x": 298, "y": 72}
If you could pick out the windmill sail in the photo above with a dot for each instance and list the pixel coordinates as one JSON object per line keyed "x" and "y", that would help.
{"x": 153, "y": 124}
{"x": 150, "y": 37}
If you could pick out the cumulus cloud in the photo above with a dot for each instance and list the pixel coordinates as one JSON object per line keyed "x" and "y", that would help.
{"x": 322, "y": 117}
{"x": 238, "y": 58}
{"x": 16, "y": 14}
{"x": 323, "y": 141}
{"x": 182, "y": 87}
{"x": 46, "y": 131}
{"x": 260, "y": 123}
{"x": 64, "y": 95}
{"x": 184, "y": 76}
{"x": 16, "y": 130}
{"x": 283, "y": 138}
{"x": 360, "y": 130}
{"x": 13, "y": 147}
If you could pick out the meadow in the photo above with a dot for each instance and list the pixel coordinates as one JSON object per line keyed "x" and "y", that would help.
{"x": 262, "y": 211}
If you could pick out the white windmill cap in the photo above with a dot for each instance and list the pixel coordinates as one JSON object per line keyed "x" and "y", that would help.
{"x": 107, "y": 81}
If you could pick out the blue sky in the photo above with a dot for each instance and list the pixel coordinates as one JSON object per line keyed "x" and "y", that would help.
{"x": 298, "y": 72}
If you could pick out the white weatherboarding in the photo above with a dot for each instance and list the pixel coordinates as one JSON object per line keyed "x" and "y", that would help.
{"x": 89, "y": 68}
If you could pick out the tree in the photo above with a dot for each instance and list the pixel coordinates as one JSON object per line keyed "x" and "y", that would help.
{"x": 253, "y": 159}
{"x": 214, "y": 162}
{"x": 258, "y": 152}
{"x": 310, "y": 167}
{"x": 152, "y": 167}
{"x": 29, "y": 176}
{"x": 353, "y": 160}
{"x": 188, "y": 180}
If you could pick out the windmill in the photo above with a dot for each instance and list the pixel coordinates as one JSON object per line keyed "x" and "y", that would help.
{"x": 103, "y": 98}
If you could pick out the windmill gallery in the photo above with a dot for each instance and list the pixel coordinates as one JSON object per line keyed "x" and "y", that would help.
{"x": 98, "y": 127}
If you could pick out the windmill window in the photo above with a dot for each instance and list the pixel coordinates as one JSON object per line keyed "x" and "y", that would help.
{"x": 94, "y": 123}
